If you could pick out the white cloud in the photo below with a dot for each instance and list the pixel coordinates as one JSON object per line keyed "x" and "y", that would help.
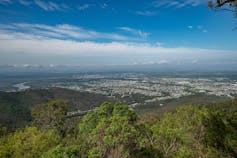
{"x": 152, "y": 62}
{"x": 32, "y": 44}
{"x": 51, "y": 40}
{"x": 134, "y": 31}
{"x": 199, "y": 28}
{"x": 190, "y": 27}
{"x": 25, "y": 2}
{"x": 145, "y": 13}
{"x": 177, "y": 4}
{"x": 84, "y": 6}
{"x": 159, "y": 43}
{"x": 63, "y": 31}
{"x": 50, "y": 6}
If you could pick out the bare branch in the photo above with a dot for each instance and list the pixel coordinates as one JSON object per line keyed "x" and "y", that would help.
{"x": 220, "y": 3}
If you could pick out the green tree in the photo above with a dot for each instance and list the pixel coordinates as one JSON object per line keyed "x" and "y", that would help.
{"x": 51, "y": 115}
{"x": 110, "y": 131}
{"x": 3, "y": 131}
{"x": 114, "y": 130}
{"x": 172, "y": 134}
{"x": 220, "y": 135}
{"x": 193, "y": 131}
{"x": 64, "y": 152}
{"x": 27, "y": 143}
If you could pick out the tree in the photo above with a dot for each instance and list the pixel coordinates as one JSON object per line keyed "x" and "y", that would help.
{"x": 28, "y": 143}
{"x": 175, "y": 133}
{"x": 51, "y": 115}
{"x": 110, "y": 131}
{"x": 114, "y": 130}
{"x": 64, "y": 152}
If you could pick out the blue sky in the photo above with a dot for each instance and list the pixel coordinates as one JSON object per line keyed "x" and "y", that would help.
{"x": 112, "y": 32}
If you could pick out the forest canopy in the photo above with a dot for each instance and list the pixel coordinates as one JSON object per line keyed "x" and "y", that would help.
{"x": 115, "y": 130}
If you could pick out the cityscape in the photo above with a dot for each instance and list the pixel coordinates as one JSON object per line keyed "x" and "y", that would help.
{"x": 149, "y": 88}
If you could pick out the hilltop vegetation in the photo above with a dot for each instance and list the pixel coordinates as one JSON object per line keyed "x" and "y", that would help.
{"x": 15, "y": 107}
{"x": 115, "y": 130}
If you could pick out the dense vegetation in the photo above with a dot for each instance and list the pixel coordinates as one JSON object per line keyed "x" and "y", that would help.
{"x": 115, "y": 131}
{"x": 15, "y": 107}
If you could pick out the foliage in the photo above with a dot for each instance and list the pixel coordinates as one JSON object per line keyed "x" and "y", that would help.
{"x": 195, "y": 131}
{"x": 27, "y": 143}
{"x": 110, "y": 131}
{"x": 51, "y": 116}
{"x": 114, "y": 130}
{"x": 63, "y": 152}
{"x": 3, "y": 131}
{"x": 221, "y": 132}
{"x": 15, "y": 107}
{"x": 176, "y": 132}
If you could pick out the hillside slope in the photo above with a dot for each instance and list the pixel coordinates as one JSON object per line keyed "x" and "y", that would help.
{"x": 15, "y": 106}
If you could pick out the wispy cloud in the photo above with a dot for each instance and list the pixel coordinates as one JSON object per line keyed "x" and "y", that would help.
{"x": 145, "y": 13}
{"x": 199, "y": 28}
{"x": 133, "y": 31}
{"x": 50, "y": 6}
{"x": 55, "y": 6}
{"x": 25, "y": 2}
{"x": 37, "y": 39}
{"x": 31, "y": 44}
{"x": 5, "y": 2}
{"x": 104, "y": 5}
{"x": 203, "y": 29}
{"x": 177, "y": 4}
{"x": 63, "y": 31}
{"x": 84, "y": 6}
{"x": 190, "y": 27}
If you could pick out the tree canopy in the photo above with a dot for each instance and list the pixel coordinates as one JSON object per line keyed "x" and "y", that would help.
{"x": 115, "y": 130}
{"x": 51, "y": 115}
